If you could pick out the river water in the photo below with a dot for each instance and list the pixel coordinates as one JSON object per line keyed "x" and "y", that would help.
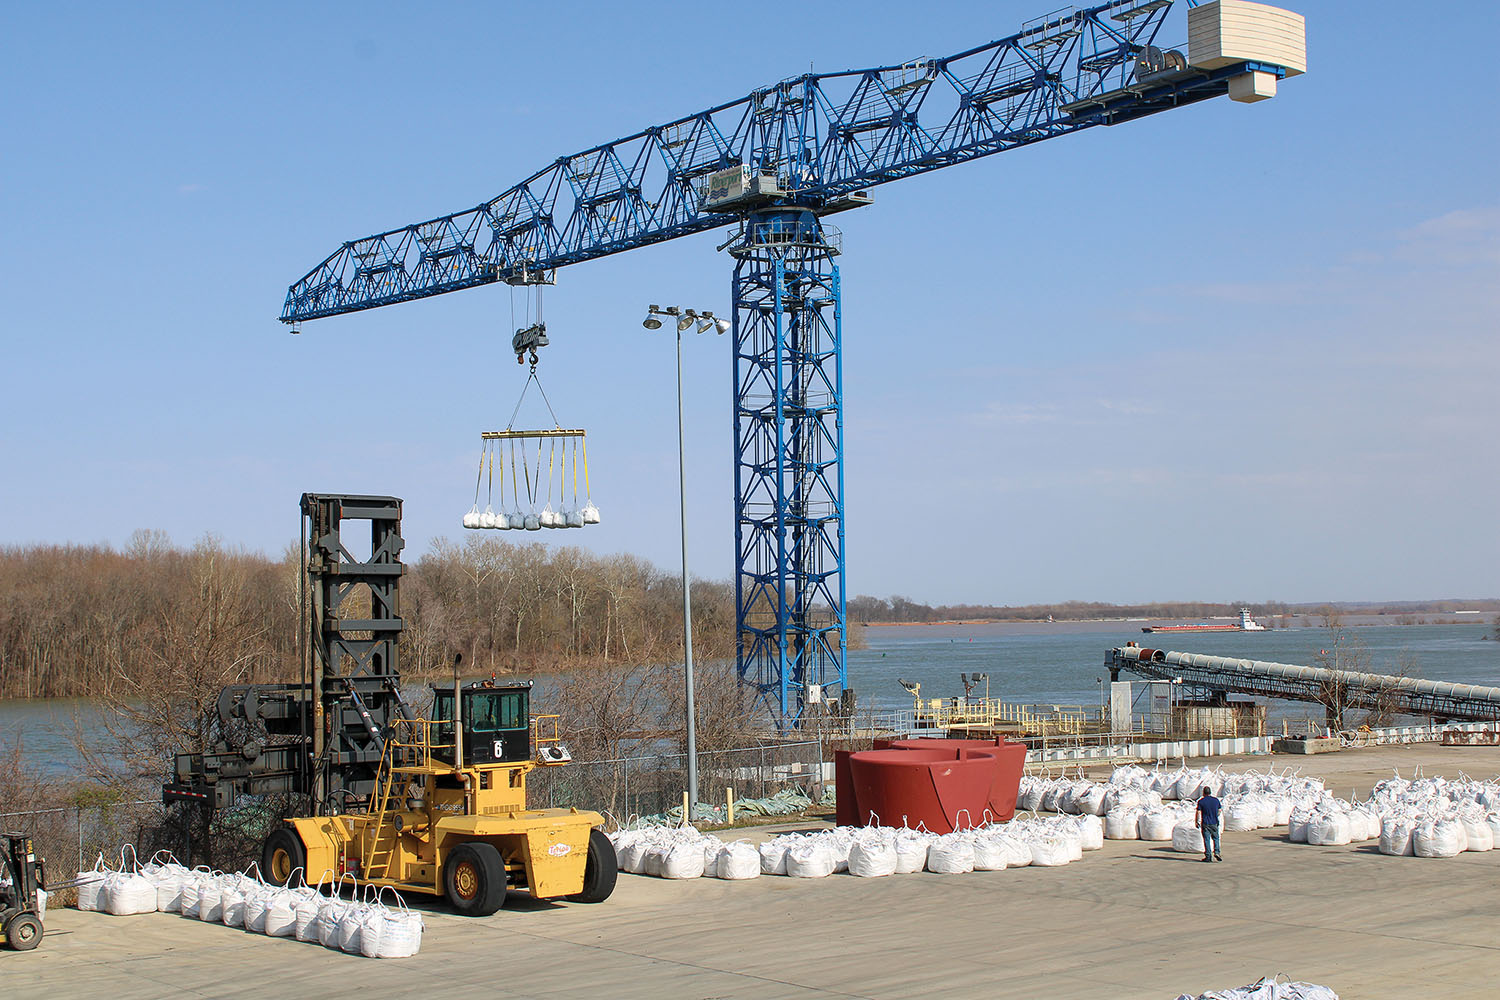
{"x": 1029, "y": 663}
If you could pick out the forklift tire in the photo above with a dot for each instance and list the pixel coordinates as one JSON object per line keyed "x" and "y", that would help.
{"x": 282, "y": 855}
{"x": 474, "y": 879}
{"x": 601, "y": 871}
{"x": 24, "y": 932}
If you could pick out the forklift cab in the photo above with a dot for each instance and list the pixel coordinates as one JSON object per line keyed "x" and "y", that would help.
{"x": 496, "y": 721}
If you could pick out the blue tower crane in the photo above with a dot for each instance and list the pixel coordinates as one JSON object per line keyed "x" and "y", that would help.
{"x": 773, "y": 165}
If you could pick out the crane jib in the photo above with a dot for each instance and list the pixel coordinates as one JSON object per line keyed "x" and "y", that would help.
{"x": 815, "y": 141}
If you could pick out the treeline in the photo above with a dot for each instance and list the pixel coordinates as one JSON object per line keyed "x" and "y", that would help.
{"x": 93, "y": 620}
{"x": 902, "y": 609}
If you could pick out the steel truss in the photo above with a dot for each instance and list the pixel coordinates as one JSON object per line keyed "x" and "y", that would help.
{"x": 788, "y": 466}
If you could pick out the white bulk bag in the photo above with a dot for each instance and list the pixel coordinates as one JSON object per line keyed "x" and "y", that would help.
{"x": 517, "y": 521}
{"x": 951, "y": 854}
{"x": 1492, "y": 820}
{"x": 232, "y": 901}
{"x": 1050, "y": 852}
{"x": 1284, "y": 806}
{"x": 532, "y": 523}
{"x": 710, "y": 846}
{"x": 128, "y": 892}
{"x": 1396, "y": 835}
{"x": 486, "y": 520}
{"x": 280, "y": 918}
{"x": 1243, "y": 814}
{"x": 1266, "y": 811}
{"x": 911, "y": 851}
{"x": 1190, "y": 785}
{"x": 590, "y": 513}
{"x": 1442, "y": 838}
{"x": 632, "y": 856}
{"x": 1187, "y": 839}
{"x": 991, "y": 853}
{"x": 1328, "y": 829}
{"x": 1296, "y": 829}
{"x": 91, "y": 886}
{"x": 1363, "y": 824}
{"x": 1477, "y": 836}
{"x": 471, "y": 519}
{"x": 773, "y": 856}
{"x": 809, "y": 859}
{"x": 330, "y": 915}
{"x": 872, "y": 857}
{"x": 168, "y": 877}
{"x": 305, "y": 913}
{"x": 1091, "y": 802}
{"x": 1090, "y": 831}
{"x": 682, "y": 860}
{"x": 1029, "y": 795}
{"x": 192, "y": 891}
{"x": 1157, "y": 825}
{"x": 257, "y": 901}
{"x": 391, "y": 931}
{"x": 1051, "y": 797}
{"x": 1123, "y": 824}
{"x": 739, "y": 860}
{"x": 211, "y": 898}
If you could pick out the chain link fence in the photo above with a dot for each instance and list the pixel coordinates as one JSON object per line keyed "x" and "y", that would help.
{"x": 649, "y": 784}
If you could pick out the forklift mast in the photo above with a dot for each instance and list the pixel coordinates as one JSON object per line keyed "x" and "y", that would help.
{"x": 323, "y": 736}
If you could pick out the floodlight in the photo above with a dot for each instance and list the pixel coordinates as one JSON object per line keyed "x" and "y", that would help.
{"x": 651, "y": 323}
{"x": 684, "y": 323}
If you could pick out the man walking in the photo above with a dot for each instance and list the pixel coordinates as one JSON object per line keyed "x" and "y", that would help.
{"x": 1208, "y": 824}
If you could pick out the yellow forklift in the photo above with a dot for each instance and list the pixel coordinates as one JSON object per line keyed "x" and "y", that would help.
{"x": 435, "y": 805}
{"x": 449, "y": 815}
{"x": 22, "y": 881}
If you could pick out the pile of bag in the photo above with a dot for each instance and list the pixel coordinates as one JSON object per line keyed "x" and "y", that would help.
{"x": 866, "y": 852}
{"x": 1268, "y": 989}
{"x": 1420, "y": 817}
{"x": 366, "y": 927}
{"x": 1137, "y": 804}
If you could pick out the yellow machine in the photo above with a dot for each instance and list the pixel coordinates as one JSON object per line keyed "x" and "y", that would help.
{"x": 449, "y": 815}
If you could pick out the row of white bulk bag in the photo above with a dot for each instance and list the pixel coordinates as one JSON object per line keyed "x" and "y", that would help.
{"x": 122, "y": 891}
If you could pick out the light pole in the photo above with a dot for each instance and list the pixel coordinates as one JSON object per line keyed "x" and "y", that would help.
{"x": 686, "y": 318}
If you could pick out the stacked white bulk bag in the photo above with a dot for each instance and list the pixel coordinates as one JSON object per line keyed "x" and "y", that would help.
{"x": 737, "y": 861}
{"x": 1187, "y": 839}
{"x": 1090, "y": 802}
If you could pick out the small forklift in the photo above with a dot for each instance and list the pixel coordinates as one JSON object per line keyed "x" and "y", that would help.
{"x": 22, "y": 880}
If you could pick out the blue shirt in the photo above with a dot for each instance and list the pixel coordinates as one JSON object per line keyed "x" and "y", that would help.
{"x": 1208, "y": 808}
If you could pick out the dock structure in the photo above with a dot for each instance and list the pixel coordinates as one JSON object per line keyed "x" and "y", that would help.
{"x": 1336, "y": 689}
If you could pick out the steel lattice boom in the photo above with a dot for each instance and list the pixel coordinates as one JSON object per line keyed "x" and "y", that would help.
{"x": 816, "y": 140}
{"x": 773, "y": 163}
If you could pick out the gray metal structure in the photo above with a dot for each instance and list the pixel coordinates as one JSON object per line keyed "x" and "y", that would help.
{"x": 1336, "y": 689}
{"x": 323, "y": 736}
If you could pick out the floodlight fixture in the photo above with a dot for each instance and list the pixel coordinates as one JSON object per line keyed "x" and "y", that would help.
{"x": 651, "y": 323}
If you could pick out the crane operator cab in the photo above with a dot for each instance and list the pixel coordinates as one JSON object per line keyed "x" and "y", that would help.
{"x": 495, "y": 718}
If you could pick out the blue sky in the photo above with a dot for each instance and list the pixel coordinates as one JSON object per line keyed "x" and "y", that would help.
{"x": 1229, "y": 352}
